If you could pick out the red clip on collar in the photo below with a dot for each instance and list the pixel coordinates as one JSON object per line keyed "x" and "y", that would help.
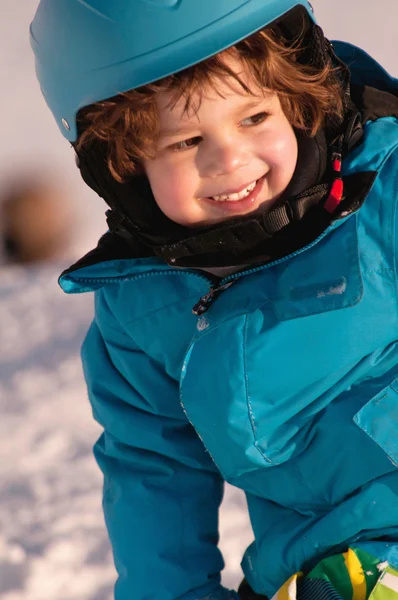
{"x": 337, "y": 189}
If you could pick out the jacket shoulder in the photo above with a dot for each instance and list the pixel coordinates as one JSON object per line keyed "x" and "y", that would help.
{"x": 365, "y": 70}
{"x": 379, "y": 144}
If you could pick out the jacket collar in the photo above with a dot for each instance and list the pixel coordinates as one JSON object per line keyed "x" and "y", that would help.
{"x": 112, "y": 260}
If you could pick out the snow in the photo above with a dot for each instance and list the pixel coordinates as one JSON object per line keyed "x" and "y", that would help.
{"x": 53, "y": 543}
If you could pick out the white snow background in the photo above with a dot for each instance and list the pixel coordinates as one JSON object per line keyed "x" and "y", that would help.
{"x": 53, "y": 544}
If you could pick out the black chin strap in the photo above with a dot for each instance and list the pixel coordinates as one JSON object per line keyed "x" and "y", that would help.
{"x": 253, "y": 239}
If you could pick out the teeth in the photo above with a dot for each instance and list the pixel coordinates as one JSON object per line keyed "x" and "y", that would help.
{"x": 235, "y": 197}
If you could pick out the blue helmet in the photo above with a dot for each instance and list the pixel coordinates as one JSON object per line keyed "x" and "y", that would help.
{"x": 90, "y": 50}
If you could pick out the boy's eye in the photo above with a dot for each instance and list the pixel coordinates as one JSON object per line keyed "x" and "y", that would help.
{"x": 186, "y": 144}
{"x": 255, "y": 119}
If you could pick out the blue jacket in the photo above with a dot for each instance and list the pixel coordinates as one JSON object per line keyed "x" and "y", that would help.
{"x": 286, "y": 388}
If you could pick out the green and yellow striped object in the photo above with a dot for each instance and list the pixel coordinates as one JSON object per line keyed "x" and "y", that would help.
{"x": 353, "y": 575}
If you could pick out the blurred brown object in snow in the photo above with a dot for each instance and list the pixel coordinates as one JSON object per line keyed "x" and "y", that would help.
{"x": 35, "y": 222}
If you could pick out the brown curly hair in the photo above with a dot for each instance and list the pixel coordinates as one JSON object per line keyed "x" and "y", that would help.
{"x": 128, "y": 122}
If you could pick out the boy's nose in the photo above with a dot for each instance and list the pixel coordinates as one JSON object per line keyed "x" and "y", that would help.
{"x": 224, "y": 159}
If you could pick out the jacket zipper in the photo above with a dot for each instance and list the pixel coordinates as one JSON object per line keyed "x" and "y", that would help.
{"x": 217, "y": 286}
{"x": 203, "y": 305}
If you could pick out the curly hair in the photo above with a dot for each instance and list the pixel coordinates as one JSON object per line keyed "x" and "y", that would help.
{"x": 128, "y": 123}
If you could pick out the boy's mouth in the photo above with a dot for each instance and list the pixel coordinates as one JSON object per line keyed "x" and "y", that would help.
{"x": 239, "y": 202}
{"x": 233, "y": 197}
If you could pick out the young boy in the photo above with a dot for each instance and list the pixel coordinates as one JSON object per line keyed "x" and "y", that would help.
{"x": 246, "y": 314}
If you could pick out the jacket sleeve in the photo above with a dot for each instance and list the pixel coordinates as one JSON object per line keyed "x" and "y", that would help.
{"x": 161, "y": 489}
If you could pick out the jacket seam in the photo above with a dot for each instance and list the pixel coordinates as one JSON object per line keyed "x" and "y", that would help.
{"x": 394, "y": 235}
{"x": 389, "y": 156}
{"x": 380, "y": 270}
{"x": 393, "y": 150}
{"x": 248, "y": 399}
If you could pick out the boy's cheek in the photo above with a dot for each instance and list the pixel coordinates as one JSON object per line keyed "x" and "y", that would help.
{"x": 169, "y": 188}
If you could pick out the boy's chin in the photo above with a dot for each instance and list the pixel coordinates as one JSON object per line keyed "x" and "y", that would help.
{"x": 261, "y": 208}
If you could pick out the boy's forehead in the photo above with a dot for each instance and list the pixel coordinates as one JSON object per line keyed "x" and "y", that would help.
{"x": 213, "y": 88}
{"x": 228, "y": 91}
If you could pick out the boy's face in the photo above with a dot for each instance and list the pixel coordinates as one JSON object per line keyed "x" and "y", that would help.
{"x": 234, "y": 153}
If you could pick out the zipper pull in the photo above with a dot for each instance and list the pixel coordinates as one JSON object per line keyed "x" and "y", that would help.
{"x": 204, "y": 303}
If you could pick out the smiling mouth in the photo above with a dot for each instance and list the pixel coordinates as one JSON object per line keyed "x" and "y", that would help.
{"x": 236, "y": 196}
{"x": 240, "y": 202}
